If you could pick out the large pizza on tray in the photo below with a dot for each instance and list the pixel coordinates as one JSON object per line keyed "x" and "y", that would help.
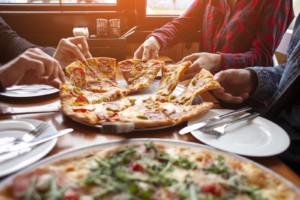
{"x": 93, "y": 94}
{"x": 147, "y": 170}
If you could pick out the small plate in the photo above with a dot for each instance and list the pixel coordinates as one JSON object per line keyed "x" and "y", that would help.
{"x": 258, "y": 137}
{"x": 17, "y": 128}
{"x": 29, "y": 91}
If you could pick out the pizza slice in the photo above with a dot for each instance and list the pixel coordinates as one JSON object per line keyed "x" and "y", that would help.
{"x": 94, "y": 114}
{"x": 96, "y": 68}
{"x": 103, "y": 67}
{"x": 145, "y": 113}
{"x": 202, "y": 82}
{"x": 107, "y": 87}
{"x": 182, "y": 113}
{"x": 171, "y": 75}
{"x": 139, "y": 74}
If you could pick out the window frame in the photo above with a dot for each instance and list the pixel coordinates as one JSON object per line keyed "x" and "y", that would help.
{"x": 62, "y": 19}
{"x": 150, "y": 22}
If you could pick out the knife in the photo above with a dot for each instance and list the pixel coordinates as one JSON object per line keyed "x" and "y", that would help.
{"x": 212, "y": 120}
{"x": 13, "y": 154}
{"x": 116, "y": 127}
{"x": 22, "y": 145}
{"x": 54, "y": 107}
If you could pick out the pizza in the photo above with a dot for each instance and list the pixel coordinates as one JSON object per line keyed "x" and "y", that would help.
{"x": 94, "y": 96}
{"x": 148, "y": 170}
{"x": 201, "y": 82}
{"x": 139, "y": 74}
{"x": 171, "y": 75}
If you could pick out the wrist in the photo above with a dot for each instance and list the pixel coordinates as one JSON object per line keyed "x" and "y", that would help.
{"x": 218, "y": 62}
{"x": 253, "y": 80}
{"x": 156, "y": 41}
{"x": 2, "y": 87}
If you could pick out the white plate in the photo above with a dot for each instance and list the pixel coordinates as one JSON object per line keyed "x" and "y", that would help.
{"x": 108, "y": 145}
{"x": 17, "y": 128}
{"x": 258, "y": 137}
{"x": 29, "y": 91}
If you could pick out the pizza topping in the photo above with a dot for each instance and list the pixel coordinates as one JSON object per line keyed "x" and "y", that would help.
{"x": 78, "y": 77}
{"x": 81, "y": 101}
{"x": 149, "y": 172}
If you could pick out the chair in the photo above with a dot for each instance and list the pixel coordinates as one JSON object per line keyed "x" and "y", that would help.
{"x": 283, "y": 46}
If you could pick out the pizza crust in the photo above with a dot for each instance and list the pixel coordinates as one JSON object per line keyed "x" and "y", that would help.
{"x": 90, "y": 86}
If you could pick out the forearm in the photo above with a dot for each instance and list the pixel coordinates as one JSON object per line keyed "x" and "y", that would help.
{"x": 268, "y": 79}
{"x": 12, "y": 45}
{"x": 180, "y": 28}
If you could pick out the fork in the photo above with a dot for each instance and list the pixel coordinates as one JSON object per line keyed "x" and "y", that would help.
{"x": 28, "y": 136}
{"x": 220, "y": 130}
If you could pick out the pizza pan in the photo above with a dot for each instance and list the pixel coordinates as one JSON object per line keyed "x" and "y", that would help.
{"x": 116, "y": 143}
{"x": 116, "y": 127}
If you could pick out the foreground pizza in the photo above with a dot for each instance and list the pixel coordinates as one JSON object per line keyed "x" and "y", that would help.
{"x": 94, "y": 96}
{"x": 149, "y": 171}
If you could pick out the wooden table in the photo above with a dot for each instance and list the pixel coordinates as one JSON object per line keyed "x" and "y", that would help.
{"x": 84, "y": 135}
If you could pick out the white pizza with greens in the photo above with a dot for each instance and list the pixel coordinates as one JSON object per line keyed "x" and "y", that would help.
{"x": 149, "y": 171}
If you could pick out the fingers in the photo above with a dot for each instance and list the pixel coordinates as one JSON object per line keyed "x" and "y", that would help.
{"x": 76, "y": 46}
{"x": 138, "y": 53}
{"x": 81, "y": 42}
{"x": 228, "y": 98}
{"x": 43, "y": 65}
{"x": 148, "y": 50}
{"x": 192, "y": 58}
{"x": 187, "y": 76}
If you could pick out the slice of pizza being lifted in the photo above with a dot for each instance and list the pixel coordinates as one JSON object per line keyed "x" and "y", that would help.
{"x": 139, "y": 74}
{"x": 202, "y": 82}
{"x": 171, "y": 75}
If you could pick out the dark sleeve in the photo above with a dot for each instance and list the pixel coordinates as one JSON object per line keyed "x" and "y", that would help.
{"x": 13, "y": 45}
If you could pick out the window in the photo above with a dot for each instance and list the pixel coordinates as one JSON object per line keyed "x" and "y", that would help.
{"x": 167, "y": 7}
{"x": 296, "y": 5}
{"x": 110, "y": 2}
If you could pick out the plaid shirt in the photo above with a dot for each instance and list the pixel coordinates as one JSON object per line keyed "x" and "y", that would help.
{"x": 246, "y": 35}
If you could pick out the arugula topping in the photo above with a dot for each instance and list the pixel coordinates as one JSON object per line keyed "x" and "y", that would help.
{"x": 219, "y": 167}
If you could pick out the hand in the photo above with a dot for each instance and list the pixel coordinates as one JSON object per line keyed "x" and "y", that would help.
{"x": 148, "y": 50}
{"x": 236, "y": 84}
{"x": 32, "y": 67}
{"x": 71, "y": 49}
{"x": 208, "y": 61}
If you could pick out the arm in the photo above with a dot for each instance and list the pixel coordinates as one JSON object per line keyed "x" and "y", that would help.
{"x": 171, "y": 33}
{"x": 12, "y": 45}
{"x": 31, "y": 67}
{"x": 179, "y": 28}
{"x": 238, "y": 85}
{"x": 268, "y": 79}
{"x": 278, "y": 16}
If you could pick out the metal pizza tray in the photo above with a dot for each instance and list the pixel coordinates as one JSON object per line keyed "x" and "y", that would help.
{"x": 118, "y": 127}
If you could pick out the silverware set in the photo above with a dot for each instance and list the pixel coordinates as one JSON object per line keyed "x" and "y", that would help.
{"x": 216, "y": 127}
{"x": 12, "y": 147}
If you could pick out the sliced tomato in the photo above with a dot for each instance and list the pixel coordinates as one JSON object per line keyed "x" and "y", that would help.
{"x": 137, "y": 167}
{"x": 80, "y": 110}
{"x": 71, "y": 195}
{"x": 82, "y": 99}
{"x": 212, "y": 188}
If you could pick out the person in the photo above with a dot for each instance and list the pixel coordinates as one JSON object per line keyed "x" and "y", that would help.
{"x": 25, "y": 63}
{"x": 234, "y": 33}
{"x": 267, "y": 84}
